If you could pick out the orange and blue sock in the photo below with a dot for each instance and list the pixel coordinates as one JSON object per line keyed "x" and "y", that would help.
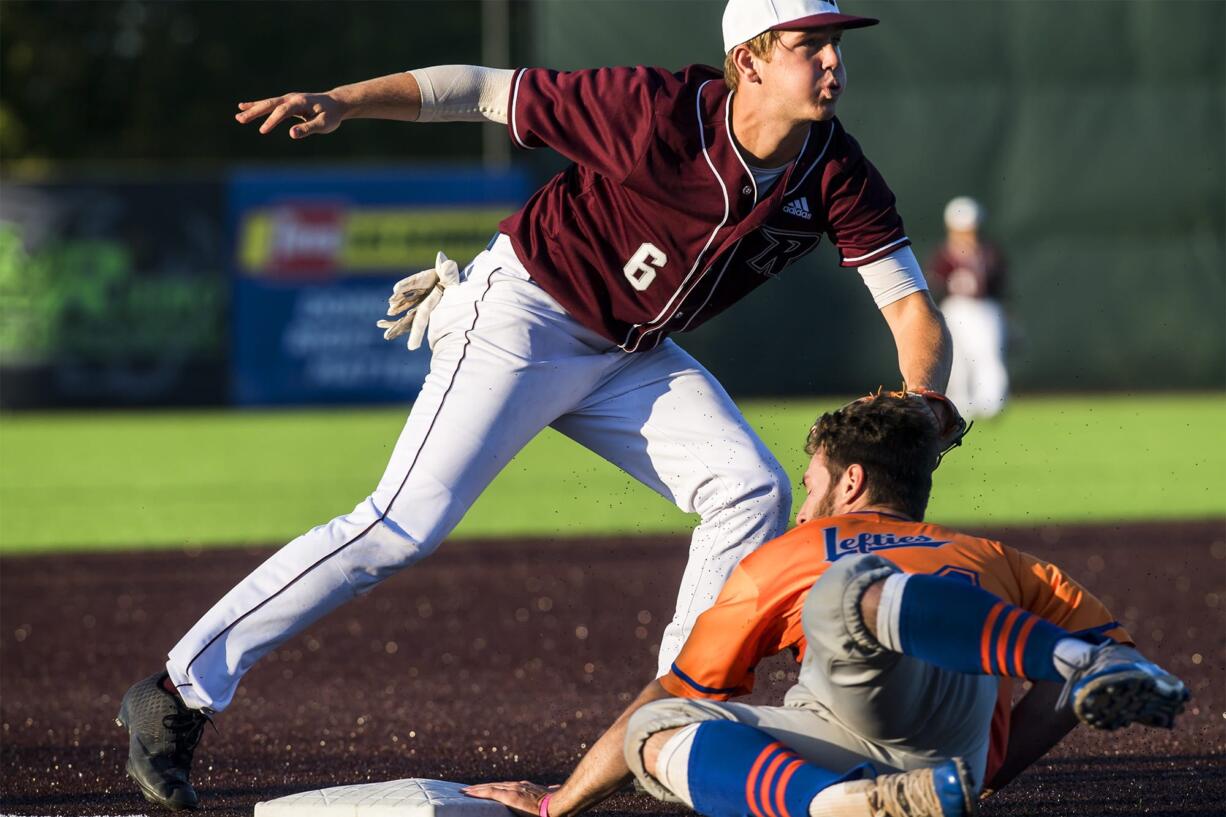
{"x": 736, "y": 770}
{"x": 964, "y": 628}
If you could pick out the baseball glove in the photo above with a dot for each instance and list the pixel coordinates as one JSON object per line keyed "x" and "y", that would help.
{"x": 950, "y": 424}
{"x": 414, "y": 298}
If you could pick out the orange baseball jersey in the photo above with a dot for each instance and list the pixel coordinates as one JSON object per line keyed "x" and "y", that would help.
{"x": 758, "y": 612}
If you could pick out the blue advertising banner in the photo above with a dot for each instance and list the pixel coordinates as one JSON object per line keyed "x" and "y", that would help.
{"x": 315, "y": 256}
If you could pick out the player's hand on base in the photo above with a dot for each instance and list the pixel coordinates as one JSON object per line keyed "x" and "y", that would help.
{"x": 319, "y": 113}
{"x": 522, "y": 796}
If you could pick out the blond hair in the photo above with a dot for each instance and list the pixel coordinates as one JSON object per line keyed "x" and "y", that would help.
{"x": 760, "y": 46}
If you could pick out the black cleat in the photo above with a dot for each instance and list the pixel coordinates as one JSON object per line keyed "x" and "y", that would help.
{"x": 164, "y": 733}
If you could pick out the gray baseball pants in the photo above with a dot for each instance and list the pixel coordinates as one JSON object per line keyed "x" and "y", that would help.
{"x": 853, "y": 701}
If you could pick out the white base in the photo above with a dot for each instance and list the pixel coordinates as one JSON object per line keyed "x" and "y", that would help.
{"x": 414, "y": 797}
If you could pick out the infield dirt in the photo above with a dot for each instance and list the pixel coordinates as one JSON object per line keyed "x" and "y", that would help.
{"x": 504, "y": 660}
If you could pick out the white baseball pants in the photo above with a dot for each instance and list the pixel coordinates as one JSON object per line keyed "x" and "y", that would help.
{"x": 978, "y": 380}
{"x": 507, "y": 362}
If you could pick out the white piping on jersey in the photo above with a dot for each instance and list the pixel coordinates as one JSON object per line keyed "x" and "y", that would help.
{"x": 702, "y": 134}
{"x": 714, "y": 287}
{"x": 733, "y": 249}
{"x": 814, "y": 163}
{"x": 874, "y": 252}
{"x": 736, "y": 149}
{"x": 514, "y": 97}
{"x": 728, "y": 127}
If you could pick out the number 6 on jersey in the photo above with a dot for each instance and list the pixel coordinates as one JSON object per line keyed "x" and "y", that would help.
{"x": 641, "y": 268}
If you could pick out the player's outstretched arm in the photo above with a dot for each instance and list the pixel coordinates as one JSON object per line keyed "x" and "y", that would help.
{"x": 395, "y": 96}
{"x": 600, "y": 773}
{"x": 925, "y": 350}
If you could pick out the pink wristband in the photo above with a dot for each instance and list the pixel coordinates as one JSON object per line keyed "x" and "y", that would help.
{"x": 544, "y": 810}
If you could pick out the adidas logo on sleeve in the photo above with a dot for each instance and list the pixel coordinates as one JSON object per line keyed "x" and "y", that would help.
{"x": 798, "y": 207}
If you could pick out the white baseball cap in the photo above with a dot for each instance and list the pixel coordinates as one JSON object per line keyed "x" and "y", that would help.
{"x": 963, "y": 214}
{"x": 746, "y": 19}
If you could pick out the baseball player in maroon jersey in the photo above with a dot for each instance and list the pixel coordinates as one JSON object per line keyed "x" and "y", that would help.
{"x": 970, "y": 275}
{"x": 687, "y": 190}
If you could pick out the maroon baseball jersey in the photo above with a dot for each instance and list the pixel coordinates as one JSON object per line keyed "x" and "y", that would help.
{"x": 658, "y": 225}
{"x": 974, "y": 272}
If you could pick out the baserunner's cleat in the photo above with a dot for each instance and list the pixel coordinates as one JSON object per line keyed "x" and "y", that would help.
{"x": 1119, "y": 687}
{"x": 942, "y": 791}
{"x": 163, "y": 734}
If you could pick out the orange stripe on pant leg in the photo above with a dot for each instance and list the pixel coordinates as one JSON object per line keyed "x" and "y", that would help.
{"x": 985, "y": 652}
{"x": 1020, "y": 649}
{"x": 753, "y": 773}
{"x": 765, "y": 789}
{"x": 1002, "y": 641}
{"x": 782, "y": 786}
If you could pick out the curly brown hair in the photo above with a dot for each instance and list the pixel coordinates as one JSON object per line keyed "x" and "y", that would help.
{"x": 893, "y": 438}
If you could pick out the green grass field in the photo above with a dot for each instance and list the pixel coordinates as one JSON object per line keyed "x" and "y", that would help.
{"x": 174, "y": 479}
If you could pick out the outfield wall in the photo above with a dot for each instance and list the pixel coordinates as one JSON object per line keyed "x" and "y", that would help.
{"x": 1093, "y": 131}
{"x": 254, "y": 287}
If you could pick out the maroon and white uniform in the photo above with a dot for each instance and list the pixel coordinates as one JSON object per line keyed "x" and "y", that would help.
{"x": 659, "y": 224}
{"x": 972, "y": 278}
{"x": 969, "y": 270}
{"x": 563, "y": 322}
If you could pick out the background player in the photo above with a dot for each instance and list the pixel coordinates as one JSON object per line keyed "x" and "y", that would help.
{"x": 910, "y": 634}
{"x": 970, "y": 274}
{"x": 688, "y": 190}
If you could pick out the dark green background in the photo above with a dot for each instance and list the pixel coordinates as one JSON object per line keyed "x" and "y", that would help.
{"x": 1093, "y": 131}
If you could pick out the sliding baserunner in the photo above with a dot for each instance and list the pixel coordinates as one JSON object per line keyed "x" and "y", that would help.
{"x": 911, "y": 636}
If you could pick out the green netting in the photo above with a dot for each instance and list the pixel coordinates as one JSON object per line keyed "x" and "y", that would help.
{"x": 1094, "y": 132}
